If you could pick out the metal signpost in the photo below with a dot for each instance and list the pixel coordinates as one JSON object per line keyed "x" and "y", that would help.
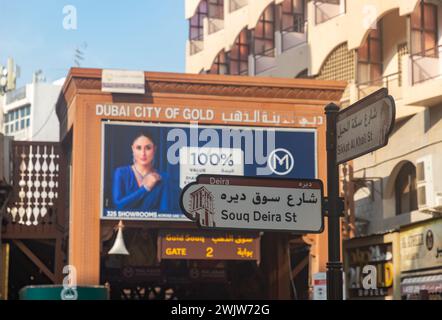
{"x": 357, "y": 130}
{"x": 250, "y": 203}
{"x": 292, "y": 205}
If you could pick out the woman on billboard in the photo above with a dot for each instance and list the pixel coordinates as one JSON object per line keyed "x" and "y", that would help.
{"x": 139, "y": 186}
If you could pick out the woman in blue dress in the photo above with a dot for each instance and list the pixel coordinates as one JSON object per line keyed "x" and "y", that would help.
{"x": 139, "y": 186}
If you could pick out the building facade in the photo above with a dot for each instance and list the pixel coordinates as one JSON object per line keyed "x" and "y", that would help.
{"x": 28, "y": 113}
{"x": 266, "y": 274}
{"x": 370, "y": 44}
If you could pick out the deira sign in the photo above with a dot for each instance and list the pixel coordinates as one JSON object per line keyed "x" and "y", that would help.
{"x": 237, "y": 202}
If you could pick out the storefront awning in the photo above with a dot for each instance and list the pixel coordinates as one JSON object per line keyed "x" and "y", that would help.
{"x": 413, "y": 285}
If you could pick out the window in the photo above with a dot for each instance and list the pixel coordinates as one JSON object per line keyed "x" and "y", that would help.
{"x": 405, "y": 189}
{"x": 424, "y": 30}
{"x": 264, "y": 33}
{"x": 196, "y": 31}
{"x": 220, "y": 65}
{"x": 216, "y": 9}
{"x": 28, "y": 123}
{"x": 17, "y": 119}
{"x": 292, "y": 17}
{"x": 370, "y": 56}
{"x": 239, "y": 55}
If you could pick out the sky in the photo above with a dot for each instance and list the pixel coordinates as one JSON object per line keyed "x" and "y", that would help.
{"x": 144, "y": 35}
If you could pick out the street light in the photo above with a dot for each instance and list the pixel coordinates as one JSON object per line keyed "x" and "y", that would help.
{"x": 119, "y": 247}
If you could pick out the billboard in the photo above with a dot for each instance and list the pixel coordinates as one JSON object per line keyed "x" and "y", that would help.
{"x": 146, "y": 165}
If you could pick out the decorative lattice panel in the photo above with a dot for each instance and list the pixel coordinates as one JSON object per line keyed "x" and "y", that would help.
{"x": 36, "y": 183}
{"x": 340, "y": 65}
{"x": 402, "y": 50}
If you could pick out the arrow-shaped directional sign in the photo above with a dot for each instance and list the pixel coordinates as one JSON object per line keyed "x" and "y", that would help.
{"x": 253, "y": 203}
{"x": 364, "y": 126}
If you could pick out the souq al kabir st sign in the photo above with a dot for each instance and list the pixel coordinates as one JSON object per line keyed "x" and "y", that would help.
{"x": 237, "y": 202}
{"x": 364, "y": 126}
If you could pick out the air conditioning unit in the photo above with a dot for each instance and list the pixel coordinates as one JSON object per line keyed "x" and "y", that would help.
{"x": 438, "y": 201}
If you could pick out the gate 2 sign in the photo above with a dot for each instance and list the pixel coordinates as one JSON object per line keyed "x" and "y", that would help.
{"x": 237, "y": 202}
{"x": 364, "y": 126}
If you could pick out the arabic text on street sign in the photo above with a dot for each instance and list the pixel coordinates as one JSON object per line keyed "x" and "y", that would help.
{"x": 364, "y": 126}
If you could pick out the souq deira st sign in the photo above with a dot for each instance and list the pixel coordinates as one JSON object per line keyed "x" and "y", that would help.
{"x": 250, "y": 203}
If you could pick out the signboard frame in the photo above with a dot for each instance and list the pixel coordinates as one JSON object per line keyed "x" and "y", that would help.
{"x": 284, "y": 180}
{"x": 146, "y": 125}
{"x": 123, "y": 81}
{"x": 216, "y": 245}
{"x": 358, "y": 106}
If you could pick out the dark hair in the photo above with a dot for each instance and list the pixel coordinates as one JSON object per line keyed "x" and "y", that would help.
{"x": 145, "y": 134}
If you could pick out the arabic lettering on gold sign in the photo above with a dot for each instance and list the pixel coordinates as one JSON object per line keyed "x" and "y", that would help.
{"x": 170, "y": 237}
{"x": 243, "y": 252}
{"x": 243, "y": 240}
{"x": 190, "y": 238}
{"x": 223, "y": 239}
{"x": 232, "y": 240}
{"x": 270, "y": 118}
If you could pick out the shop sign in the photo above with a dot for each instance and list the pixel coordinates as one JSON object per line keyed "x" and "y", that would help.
{"x": 203, "y": 245}
{"x": 421, "y": 246}
{"x": 123, "y": 81}
{"x": 381, "y": 257}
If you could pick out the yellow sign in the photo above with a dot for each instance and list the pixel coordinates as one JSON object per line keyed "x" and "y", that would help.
{"x": 421, "y": 246}
{"x": 202, "y": 245}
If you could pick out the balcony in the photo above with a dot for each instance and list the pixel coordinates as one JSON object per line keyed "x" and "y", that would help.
{"x": 265, "y": 60}
{"x": 393, "y": 82}
{"x": 215, "y": 25}
{"x": 237, "y": 4}
{"x": 398, "y": 88}
{"x": 215, "y": 16}
{"x": 328, "y": 9}
{"x": 195, "y": 46}
{"x": 425, "y": 83}
{"x": 295, "y": 34}
{"x": 426, "y": 66}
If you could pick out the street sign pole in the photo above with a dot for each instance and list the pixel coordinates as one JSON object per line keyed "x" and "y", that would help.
{"x": 334, "y": 265}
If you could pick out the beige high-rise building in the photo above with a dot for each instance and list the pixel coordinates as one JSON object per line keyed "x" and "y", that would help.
{"x": 393, "y": 195}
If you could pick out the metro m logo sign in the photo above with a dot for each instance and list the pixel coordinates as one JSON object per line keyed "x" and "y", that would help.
{"x": 280, "y": 161}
